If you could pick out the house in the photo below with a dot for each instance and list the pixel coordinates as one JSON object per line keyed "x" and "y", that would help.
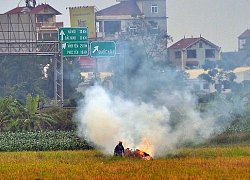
{"x": 244, "y": 41}
{"x": 190, "y": 53}
{"x": 242, "y": 76}
{"x": 119, "y": 17}
{"x": 240, "y": 58}
{"x": 46, "y": 24}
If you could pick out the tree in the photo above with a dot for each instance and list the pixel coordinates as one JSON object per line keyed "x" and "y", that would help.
{"x": 223, "y": 76}
{"x": 22, "y": 75}
{"x": 28, "y": 117}
{"x": 6, "y": 110}
{"x": 19, "y": 68}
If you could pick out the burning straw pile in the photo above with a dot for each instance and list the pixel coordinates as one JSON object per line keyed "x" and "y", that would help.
{"x": 136, "y": 153}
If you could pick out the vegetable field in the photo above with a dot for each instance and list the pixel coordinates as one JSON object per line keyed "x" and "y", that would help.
{"x": 198, "y": 163}
{"x": 41, "y": 141}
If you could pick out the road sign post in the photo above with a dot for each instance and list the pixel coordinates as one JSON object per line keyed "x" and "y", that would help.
{"x": 102, "y": 49}
{"x": 74, "y": 41}
{"x": 73, "y": 34}
{"x": 75, "y": 49}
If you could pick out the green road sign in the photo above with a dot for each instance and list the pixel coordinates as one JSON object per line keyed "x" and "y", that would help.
{"x": 102, "y": 49}
{"x": 75, "y": 49}
{"x": 73, "y": 34}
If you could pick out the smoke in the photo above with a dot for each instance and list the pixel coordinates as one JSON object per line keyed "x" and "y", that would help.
{"x": 158, "y": 115}
{"x": 104, "y": 120}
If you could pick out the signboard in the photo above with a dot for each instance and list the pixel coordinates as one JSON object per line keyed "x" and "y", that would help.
{"x": 102, "y": 49}
{"x": 75, "y": 49}
{"x": 87, "y": 62}
{"x": 74, "y": 41}
{"x": 83, "y": 16}
{"x": 73, "y": 34}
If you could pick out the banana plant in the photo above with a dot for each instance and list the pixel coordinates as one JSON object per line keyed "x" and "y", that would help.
{"x": 30, "y": 119}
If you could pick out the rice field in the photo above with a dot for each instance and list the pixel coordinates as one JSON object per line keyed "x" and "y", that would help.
{"x": 188, "y": 163}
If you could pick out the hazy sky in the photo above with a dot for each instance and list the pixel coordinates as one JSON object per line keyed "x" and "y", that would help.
{"x": 219, "y": 21}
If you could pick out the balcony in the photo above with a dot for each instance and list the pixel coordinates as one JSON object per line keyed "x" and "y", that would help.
{"x": 49, "y": 25}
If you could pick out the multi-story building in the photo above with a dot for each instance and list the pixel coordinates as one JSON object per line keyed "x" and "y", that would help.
{"x": 46, "y": 24}
{"x": 240, "y": 58}
{"x": 244, "y": 41}
{"x": 191, "y": 53}
{"x": 119, "y": 18}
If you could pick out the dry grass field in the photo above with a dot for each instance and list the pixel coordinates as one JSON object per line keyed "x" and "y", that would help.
{"x": 188, "y": 163}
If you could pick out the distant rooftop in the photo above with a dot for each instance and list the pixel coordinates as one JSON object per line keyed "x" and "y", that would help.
{"x": 123, "y": 8}
{"x": 187, "y": 42}
{"x": 30, "y": 10}
{"x": 245, "y": 34}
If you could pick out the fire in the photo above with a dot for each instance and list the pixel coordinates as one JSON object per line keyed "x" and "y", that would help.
{"x": 136, "y": 153}
{"x": 141, "y": 151}
{"x": 146, "y": 146}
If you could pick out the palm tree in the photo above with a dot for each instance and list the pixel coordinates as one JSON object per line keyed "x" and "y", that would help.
{"x": 29, "y": 119}
{"x": 5, "y": 111}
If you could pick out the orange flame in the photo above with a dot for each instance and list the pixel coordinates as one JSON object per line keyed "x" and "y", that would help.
{"x": 146, "y": 146}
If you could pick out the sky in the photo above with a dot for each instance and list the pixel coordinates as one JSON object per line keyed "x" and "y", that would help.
{"x": 218, "y": 21}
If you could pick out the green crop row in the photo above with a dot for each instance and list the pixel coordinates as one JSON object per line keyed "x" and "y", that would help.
{"x": 42, "y": 141}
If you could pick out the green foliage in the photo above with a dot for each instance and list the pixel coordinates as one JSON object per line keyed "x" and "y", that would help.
{"x": 230, "y": 138}
{"x": 17, "y": 71}
{"x": 32, "y": 103}
{"x": 63, "y": 118}
{"x": 16, "y": 76}
{"x": 42, "y": 141}
{"x": 16, "y": 117}
{"x": 5, "y": 109}
{"x": 223, "y": 75}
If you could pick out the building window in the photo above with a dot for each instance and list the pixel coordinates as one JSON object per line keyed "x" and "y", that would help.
{"x": 46, "y": 35}
{"x": 132, "y": 30}
{"x": 55, "y": 35}
{"x": 191, "y": 53}
{"x": 112, "y": 26}
{"x": 177, "y": 54}
{"x": 210, "y": 53}
{"x": 154, "y": 8}
{"x": 154, "y": 27}
{"x": 200, "y": 45}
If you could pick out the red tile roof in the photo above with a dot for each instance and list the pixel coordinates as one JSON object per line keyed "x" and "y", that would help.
{"x": 187, "y": 42}
{"x": 42, "y": 6}
{"x": 245, "y": 34}
{"x": 33, "y": 11}
{"x": 123, "y": 8}
{"x": 15, "y": 10}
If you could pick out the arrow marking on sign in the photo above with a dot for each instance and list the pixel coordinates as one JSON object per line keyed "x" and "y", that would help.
{"x": 62, "y": 34}
{"x": 64, "y": 46}
{"x": 96, "y": 48}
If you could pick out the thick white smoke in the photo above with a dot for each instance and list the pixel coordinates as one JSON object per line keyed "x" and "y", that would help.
{"x": 105, "y": 120}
